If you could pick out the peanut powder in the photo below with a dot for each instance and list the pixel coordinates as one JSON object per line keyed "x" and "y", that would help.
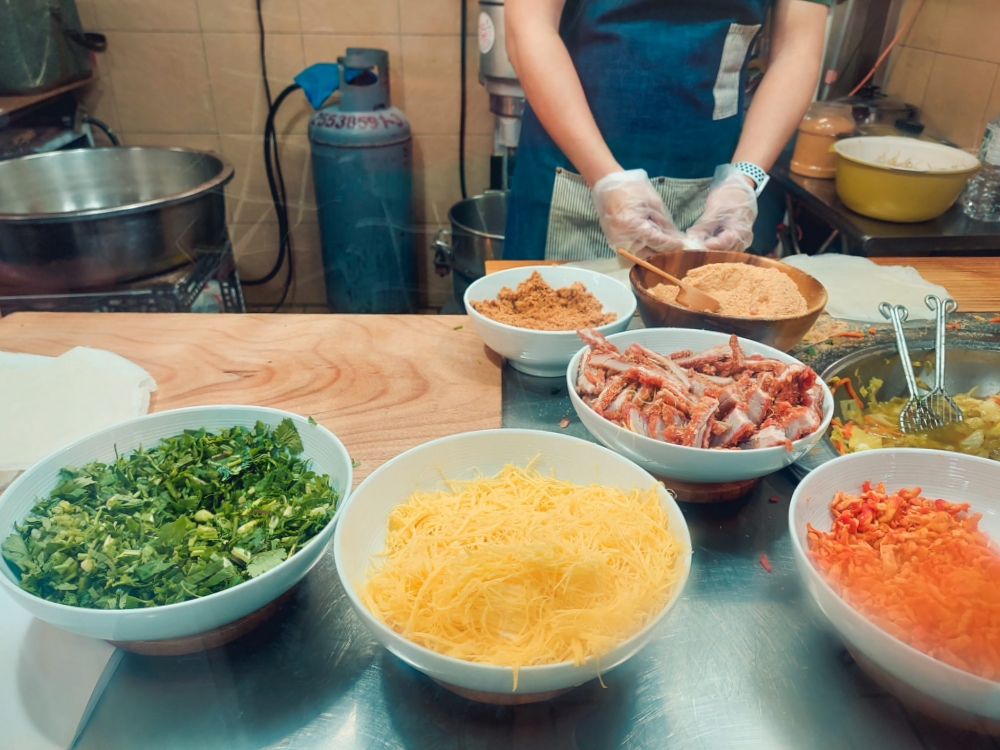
{"x": 536, "y": 305}
{"x": 743, "y": 291}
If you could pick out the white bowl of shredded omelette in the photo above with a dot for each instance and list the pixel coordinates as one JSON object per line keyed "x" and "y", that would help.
{"x": 509, "y": 565}
{"x": 908, "y": 579}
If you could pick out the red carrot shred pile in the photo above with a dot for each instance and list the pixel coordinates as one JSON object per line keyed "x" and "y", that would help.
{"x": 920, "y": 569}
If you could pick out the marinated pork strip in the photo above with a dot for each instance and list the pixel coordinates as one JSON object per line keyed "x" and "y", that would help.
{"x": 719, "y": 398}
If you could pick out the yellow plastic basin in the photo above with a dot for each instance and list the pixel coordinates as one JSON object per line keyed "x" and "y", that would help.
{"x": 900, "y": 179}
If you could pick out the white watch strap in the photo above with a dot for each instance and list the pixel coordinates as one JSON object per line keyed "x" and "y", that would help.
{"x": 755, "y": 173}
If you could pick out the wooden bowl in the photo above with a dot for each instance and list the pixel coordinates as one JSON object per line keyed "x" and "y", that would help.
{"x": 214, "y": 638}
{"x": 781, "y": 333}
{"x": 709, "y": 492}
{"x": 502, "y": 699}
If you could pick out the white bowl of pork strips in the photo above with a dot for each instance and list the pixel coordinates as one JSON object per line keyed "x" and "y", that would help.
{"x": 697, "y": 406}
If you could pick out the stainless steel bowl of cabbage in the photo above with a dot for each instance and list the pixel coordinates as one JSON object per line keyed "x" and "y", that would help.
{"x": 875, "y": 377}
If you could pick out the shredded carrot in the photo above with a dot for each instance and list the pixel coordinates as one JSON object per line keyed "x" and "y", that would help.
{"x": 872, "y": 331}
{"x": 954, "y": 326}
{"x": 848, "y": 335}
{"x": 880, "y": 429}
{"x": 847, "y": 429}
{"x": 918, "y": 568}
{"x": 839, "y": 446}
{"x": 766, "y": 563}
{"x": 994, "y": 320}
{"x": 846, "y": 382}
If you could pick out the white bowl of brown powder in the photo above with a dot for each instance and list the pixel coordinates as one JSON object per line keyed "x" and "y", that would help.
{"x": 530, "y": 315}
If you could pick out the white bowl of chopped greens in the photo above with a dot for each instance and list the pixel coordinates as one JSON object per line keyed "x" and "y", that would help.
{"x": 222, "y": 511}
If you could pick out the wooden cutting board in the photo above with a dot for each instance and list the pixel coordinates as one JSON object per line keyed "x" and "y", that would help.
{"x": 973, "y": 282}
{"x": 381, "y": 383}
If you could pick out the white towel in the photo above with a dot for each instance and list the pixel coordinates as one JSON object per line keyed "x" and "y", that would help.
{"x": 50, "y": 680}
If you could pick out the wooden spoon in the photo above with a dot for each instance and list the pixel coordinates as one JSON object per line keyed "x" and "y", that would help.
{"x": 688, "y": 296}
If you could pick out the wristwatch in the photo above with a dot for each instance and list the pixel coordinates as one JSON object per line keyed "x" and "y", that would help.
{"x": 755, "y": 173}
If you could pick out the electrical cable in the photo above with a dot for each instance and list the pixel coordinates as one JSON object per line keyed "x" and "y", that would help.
{"x": 899, "y": 34}
{"x": 275, "y": 178}
{"x": 463, "y": 99}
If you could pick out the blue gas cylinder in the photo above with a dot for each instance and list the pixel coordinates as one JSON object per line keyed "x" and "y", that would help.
{"x": 362, "y": 155}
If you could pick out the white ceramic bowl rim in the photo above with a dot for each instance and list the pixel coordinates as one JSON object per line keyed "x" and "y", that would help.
{"x": 650, "y": 442}
{"x": 583, "y": 272}
{"x": 12, "y": 583}
{"x": 797, "y": 547}
{"x": 682, "y": 535}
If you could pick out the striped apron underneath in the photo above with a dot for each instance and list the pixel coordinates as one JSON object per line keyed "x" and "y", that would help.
{"x": 574, "y": 232}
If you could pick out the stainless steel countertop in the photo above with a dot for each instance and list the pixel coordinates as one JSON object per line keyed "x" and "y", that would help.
{"x": 744, "y": 661}
{"x": 952, "y": 233}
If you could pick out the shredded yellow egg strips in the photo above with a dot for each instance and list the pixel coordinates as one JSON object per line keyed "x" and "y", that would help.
{"x": 520, "y": 569}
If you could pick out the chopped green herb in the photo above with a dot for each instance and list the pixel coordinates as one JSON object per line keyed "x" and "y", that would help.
{"x": 479, "y": 360}
{"x": 810, "y": 351}
{"x": 197, "y": 513}
{"x": 355, "y": 463}
{"x": 312, "y": 421}
{"x": 458, "y": 328}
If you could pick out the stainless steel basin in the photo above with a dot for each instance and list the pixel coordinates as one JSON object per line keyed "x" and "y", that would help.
{"x": 89, "y": 218}
{"x": 971, "y": 363}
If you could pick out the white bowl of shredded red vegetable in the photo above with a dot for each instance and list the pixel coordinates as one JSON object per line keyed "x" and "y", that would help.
{"x": 899, "y": 550}
{"x": 172, "y": 524}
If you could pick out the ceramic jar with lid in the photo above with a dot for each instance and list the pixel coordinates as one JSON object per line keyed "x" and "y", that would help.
{"x": 823, "y": 125}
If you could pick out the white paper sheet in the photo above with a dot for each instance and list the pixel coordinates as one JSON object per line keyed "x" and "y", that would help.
{"x": 48, "y": 402}
{"x": 617, "y": 268}
{"x": 857, "y": 286}
{"x": 50, "y": 680}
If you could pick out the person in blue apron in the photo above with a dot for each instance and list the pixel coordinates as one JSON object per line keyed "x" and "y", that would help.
{"x": 635, "y": 132}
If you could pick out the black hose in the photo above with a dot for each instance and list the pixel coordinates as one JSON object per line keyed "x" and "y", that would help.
{"x": 463, "y": 100}
{"x": 101, "y": 125}
{"x": 276, "y": 183}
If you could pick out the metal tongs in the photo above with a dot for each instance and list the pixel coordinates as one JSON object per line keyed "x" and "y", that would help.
{"x": 916, "y": 415}
{"x": 938, "y": 400}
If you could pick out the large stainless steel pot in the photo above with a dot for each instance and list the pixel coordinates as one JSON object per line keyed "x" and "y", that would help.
{"x": 477, "y": 229}
{"x": 88, "y": 218}
{"x": 973, "y": 361}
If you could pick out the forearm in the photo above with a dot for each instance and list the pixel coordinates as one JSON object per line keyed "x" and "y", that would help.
{"x": 789, "y": 83}
{"x": 553, "y": 87}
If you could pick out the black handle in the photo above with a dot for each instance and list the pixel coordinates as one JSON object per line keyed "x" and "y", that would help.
{"x": 87, "y": 39}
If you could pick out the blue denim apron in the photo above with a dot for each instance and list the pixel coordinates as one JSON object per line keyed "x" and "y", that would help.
{"x": 665, "y": 81}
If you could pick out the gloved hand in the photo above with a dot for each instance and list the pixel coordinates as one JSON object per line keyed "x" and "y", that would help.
{"x": 730, "y": 210}
{"x": 632, "y": 214}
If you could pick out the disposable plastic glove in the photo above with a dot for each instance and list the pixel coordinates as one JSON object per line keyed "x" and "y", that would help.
{"x": 632, "y": 214}
{"x": 730, "y": 210}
